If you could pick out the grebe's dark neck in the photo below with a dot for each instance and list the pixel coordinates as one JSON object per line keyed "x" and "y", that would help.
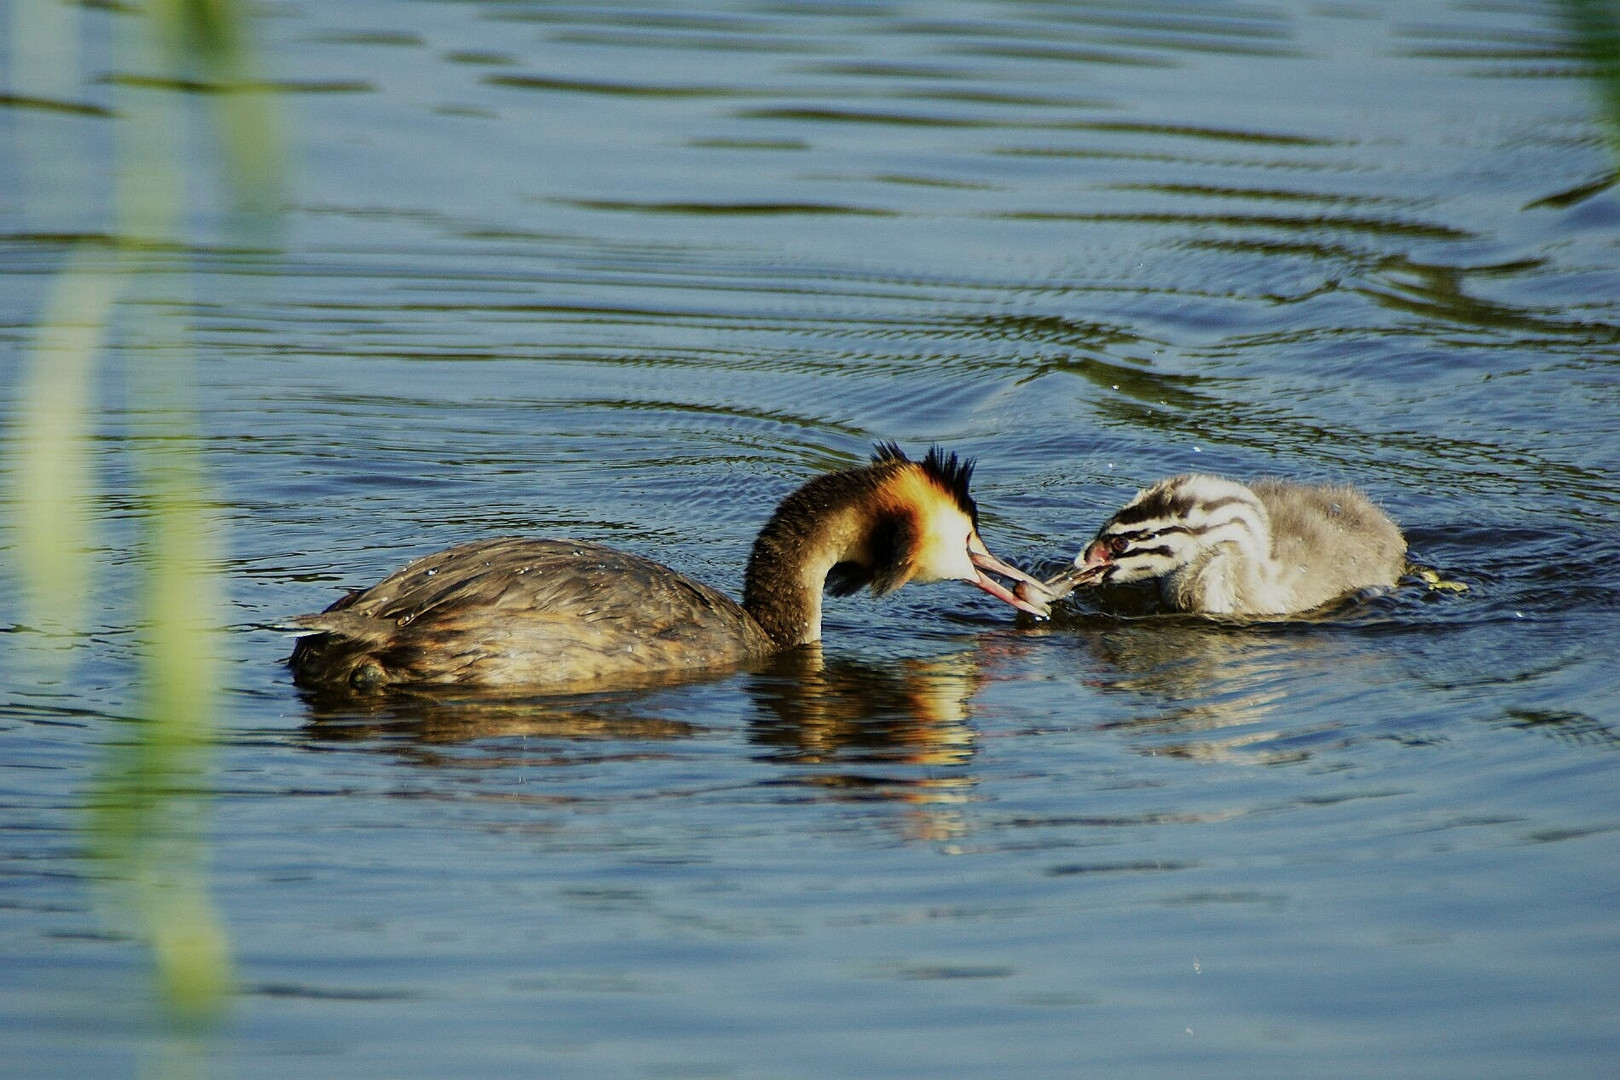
{"x": 827, "y": 522}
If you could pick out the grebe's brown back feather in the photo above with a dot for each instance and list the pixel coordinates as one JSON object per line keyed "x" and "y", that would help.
{"x": 515, "y": 611}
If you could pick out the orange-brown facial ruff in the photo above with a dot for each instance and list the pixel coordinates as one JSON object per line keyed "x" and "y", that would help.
{"x": 924, "y": 517}
{"x": 929, "y": 527}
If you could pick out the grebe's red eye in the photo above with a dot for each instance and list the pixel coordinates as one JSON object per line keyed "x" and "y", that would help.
{"x": 1118, "y": 545}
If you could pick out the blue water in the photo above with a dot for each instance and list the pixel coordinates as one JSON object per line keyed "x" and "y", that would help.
{"x": 630, "y": 273}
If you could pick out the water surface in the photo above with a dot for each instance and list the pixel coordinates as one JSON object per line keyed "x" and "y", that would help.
{"x": 630, "y": 273}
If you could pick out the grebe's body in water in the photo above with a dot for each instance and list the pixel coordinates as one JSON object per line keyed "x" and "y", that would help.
{"x": 567, "y": 614}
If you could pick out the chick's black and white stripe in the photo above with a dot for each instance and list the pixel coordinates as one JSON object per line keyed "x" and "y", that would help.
{"x": 1221, "y": 547}
{"x": 1168, "y": 524}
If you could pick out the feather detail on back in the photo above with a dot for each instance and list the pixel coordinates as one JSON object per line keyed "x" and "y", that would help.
{"x": 514, "y": 611}
{"x": 1328, "y": 541}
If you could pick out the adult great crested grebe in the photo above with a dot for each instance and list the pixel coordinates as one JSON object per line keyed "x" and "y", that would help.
{"x": 567, "y": 614}
{"x": 1216, "y": 546}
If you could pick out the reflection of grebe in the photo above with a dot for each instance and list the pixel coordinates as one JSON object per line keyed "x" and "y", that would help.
{"x": 912, "y": 710}
{"x": 568, "y": 614}
{"x": 1219, "y": 547}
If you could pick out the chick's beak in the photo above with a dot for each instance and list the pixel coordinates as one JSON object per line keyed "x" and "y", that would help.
{"x": 1088, "y": 569}
{"x": 1092, "y": 563}
{"x": 983, "y": 560}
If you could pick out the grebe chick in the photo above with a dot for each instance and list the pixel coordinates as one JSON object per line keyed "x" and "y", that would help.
{"x": 1216, "y": 546}
{"x": 565, "y": 614}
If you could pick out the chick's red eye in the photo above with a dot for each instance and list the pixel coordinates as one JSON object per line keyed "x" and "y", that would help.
{"x": 1118, "y": 545}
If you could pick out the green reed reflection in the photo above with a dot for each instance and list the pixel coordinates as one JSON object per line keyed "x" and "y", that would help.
{"x": 147, "y": 825}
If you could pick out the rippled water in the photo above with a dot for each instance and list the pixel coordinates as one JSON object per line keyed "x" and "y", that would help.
{"x": 631, "y": 273}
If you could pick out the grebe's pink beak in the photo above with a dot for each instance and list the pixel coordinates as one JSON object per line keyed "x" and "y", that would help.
{"x": 983, "y": 560}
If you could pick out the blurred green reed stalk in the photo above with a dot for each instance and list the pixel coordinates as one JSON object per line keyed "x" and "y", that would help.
{"x": 147, "y": 825}
{"x": 1596, "y": 28}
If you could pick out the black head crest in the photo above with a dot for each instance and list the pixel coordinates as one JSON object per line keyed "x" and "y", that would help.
{"x": 888, "y": 451}
{"x": 944, "y": 468}
{"x": 953, "y": 474}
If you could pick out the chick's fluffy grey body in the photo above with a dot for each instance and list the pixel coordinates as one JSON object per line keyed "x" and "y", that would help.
{"x": 1216, "y": 546}
{"x": 1327, "y": 541}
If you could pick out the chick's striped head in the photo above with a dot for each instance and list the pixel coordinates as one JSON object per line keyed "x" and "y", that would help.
{"x": 1171, "y": 525}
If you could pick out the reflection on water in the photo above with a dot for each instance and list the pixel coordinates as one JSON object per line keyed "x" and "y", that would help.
{"x": 912, "y": 712}
{"x": 898, "y": 733}
{"x": 404, "y": 717}
{"x": 1445, "y": 295}
{"x": 808, "y": 712}
{"x": 1214, "y": 691}
{"x": 844, "y": 730}
{"x": 1200, "y": 688}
